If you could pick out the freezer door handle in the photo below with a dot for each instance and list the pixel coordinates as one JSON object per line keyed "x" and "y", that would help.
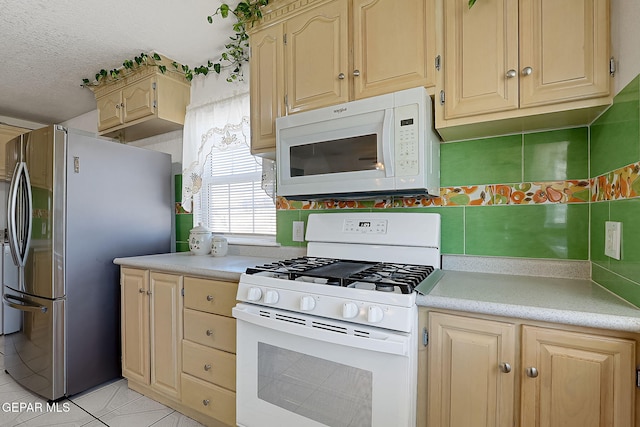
{"x": 23, "y": 304}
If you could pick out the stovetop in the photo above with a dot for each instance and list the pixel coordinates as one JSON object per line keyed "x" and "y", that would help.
{"x": 377, "y": 276}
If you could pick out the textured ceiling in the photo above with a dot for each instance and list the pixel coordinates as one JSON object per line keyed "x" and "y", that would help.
{"x": 48, "y": 47}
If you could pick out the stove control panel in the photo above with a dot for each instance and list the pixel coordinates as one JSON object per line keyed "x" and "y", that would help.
{"x": 363, "y": 226}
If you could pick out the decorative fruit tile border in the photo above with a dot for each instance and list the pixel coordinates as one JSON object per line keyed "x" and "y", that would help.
{"x": 528, "y": 193}
{"x": 623, "y": 183}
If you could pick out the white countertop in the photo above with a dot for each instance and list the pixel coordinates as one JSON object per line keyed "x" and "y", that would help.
{"x": 224, "y": 268}
{"x": 570, "y": 301}
{"x": 558, "y": 300}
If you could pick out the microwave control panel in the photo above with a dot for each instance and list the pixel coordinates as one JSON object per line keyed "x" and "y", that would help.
{"x": 407, "y": 150}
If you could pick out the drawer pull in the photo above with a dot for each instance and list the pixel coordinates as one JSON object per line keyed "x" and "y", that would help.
{"x": 209, "y": 332}
{"x": 532, "y": 372}
{"x": 205, "y": 402}
{"x": 207, "y": 366}
{"x": 209, "y": 297}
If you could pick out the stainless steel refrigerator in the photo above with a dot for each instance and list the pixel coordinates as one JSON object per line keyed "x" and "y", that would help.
{"x": 75, "y": 203}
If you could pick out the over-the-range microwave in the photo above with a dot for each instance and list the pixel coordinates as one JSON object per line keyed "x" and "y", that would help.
{"x": 374, "y": 147}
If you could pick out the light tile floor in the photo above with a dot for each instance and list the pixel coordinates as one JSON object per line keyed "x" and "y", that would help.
{"x": 110, "y": 404}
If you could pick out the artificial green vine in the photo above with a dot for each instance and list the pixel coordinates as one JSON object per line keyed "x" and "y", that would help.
{"x": 247, "y": 12}
{"x": 471, "y": 3}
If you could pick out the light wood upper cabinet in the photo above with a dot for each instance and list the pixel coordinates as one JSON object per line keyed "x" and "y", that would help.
{"x": 505, "y": 60}
{"x": 7, "y": 133}
{"x": 317, "y": 57}
{"x": 566, "y": 45}
{"x": 144, "y": 103}
{"x": 335, "y": 51}
{"x": 480, "y": 46}
{"x": 471, "y": 368}
{"x": 581, "y": 380}
{"x": 393, "y": 46}
{"x": 266, "y": 87}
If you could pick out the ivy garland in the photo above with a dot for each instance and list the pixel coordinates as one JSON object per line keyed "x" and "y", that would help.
{"x": 247, "y": 12}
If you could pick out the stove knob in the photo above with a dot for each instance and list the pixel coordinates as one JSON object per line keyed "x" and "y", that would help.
{"x": 271, "y": 297}
{"x": 375, "y": 314}
{"x": 349, "y": 310}
{"x": 254, "y": 294}
{"x": 307, "y": 303}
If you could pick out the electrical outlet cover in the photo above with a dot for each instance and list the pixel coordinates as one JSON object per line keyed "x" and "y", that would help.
{"x": 612, "y": 239}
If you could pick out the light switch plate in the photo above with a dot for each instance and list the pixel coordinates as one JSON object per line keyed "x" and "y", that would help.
{"x": 612, "y": 238}
{"x": 298, "y": 231}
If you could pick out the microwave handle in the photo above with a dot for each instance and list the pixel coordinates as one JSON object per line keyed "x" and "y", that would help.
{"x": 388, "y": 132}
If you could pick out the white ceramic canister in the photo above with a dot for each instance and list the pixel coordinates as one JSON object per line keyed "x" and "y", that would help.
{"x": 200, "y": 240}
{"x": 219, "y": 246}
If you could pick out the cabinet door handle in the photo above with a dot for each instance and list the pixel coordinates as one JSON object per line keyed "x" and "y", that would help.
{"x": 117, "y": 106}
{"x": 511, "y": 74}
{"x": 341, "y": 76}
{"x": 209, "y": 332}
{"x": 356, "y": 73}
{"x": 532, "y": 372}
{"x": 205, "y": 402}
{"x": 148, "y": 292}
{"x": 141, "y": 290}
{"x": 207, "y": 367}
{"x": 209, "y": 297}
{"x": 505, "y": 368}
{"x": 526, "y": 71}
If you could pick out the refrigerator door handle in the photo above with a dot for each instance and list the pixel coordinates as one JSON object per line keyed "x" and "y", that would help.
{"x": 19, "y": 215}
{"x": 23, "y": 304}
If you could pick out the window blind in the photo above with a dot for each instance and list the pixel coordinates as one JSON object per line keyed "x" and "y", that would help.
{"x": 231, "y": 199}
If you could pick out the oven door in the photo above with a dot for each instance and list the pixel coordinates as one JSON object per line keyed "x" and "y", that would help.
{"x": 307, "y": 371}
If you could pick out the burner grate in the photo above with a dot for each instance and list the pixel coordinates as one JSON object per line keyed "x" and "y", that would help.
{"x": 386, "y": 277}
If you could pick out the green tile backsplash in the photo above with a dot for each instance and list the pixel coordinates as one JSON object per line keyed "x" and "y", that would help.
{"x": 615, "y": 144}
{"x": 615, "y": 135}
{"x": 481, "y": 161}
{"x": 556, "y": 155}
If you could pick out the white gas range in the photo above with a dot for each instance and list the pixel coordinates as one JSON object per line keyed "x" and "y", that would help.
{"x": 330, "y": 339}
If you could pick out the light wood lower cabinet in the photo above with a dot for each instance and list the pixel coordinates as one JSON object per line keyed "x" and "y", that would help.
{"x": 152, "y": 329}
{"x": 178, "y": 342}
{"x": 488, "y": 372}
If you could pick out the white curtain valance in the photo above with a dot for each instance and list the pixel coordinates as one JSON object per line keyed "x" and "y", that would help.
{"x": 216, "y": 125}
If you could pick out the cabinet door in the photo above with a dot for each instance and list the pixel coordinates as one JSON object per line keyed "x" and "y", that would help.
{"x": 7, "y": 133}
{"x": 109, "y": 110}
{"x": 583, "y": 380}
{"x": 480, "y": 48}
{"x": 469, "y": 381}
{"x": 565, "y": 44}
{"x": 317, "y": 57}
{"x": 267, "y": 87}
{"x": 400, "y": 58}
{"x": 134, "y": 285}
{"x": 166, "y": 332}
{"x": 139, "y": 100}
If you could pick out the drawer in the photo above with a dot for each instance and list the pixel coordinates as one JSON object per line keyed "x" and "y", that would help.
{"x": 217, "y": 367}
{"x": 212, "y": 296}
{"x": 211, "y": 400}
{"x": 210, "y": 330}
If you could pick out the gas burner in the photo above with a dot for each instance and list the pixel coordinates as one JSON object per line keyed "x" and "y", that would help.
{"x": 384, "y": 277}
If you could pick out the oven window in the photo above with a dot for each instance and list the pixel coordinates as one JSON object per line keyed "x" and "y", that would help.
{"x": 341, "y": 155}
{"x": 330, "y": 393}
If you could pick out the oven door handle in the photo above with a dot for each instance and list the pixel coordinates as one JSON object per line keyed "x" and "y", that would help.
{"x": 384, "y": 342}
